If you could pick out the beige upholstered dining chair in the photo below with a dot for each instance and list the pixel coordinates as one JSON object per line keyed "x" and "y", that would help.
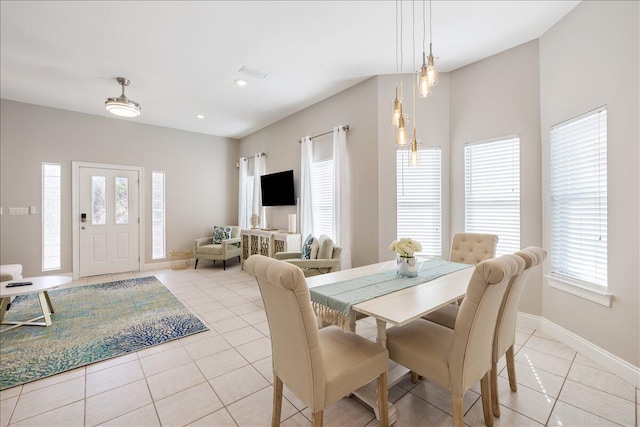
{"x": 505, "y": 335}
{"x": 472, "y": 248}
{"x": 457, "y": 358}
{"x": 319, "y": 366}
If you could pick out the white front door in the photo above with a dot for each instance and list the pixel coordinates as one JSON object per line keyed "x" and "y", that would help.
{"x": 108, "y": 221}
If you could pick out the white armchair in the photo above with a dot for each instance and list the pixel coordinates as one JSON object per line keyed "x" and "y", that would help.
{"x": 204, "y": 248}
{"x": 326, "y": 260}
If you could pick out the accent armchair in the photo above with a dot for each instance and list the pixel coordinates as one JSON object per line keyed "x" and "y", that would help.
{"x": 327, "y": 259}
{"x": 204, "y": 248}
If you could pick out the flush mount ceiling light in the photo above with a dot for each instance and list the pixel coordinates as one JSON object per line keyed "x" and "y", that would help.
{"x": 240, "y": 82}
{"x": 199, "y": 116}
{"x": 122, "y": 106}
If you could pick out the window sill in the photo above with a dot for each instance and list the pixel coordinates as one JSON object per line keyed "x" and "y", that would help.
{"x": 589, "y": 293}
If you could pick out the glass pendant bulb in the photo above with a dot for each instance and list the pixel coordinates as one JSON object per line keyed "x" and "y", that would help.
{"x": 413, "y": 156}
{"x": 397, "y": 110}
{"x": 424, "y": 88}
{"x": 432, "y": 72}
{"x": 401, "y": 135}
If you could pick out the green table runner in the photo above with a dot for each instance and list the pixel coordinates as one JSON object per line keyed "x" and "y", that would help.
{"x": 333, "y": 302}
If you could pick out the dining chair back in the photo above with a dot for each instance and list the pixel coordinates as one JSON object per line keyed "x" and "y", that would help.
{"x": 505, "y": 336}
{"x": 456, "y": 359}
{"x": 319, "y": 366}
{"x": 472, "y": 248}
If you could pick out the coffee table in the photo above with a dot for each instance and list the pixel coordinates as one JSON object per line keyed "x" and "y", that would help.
{"x": 41, "y": 285}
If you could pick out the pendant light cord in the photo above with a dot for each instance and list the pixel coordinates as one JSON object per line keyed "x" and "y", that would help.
{"x": 430, "y": 33}
{"x": 397, "y": 75}
{"x": 413, "y": 53}
{"x": 401, "y": 52}
{"x": 424, "y": 27}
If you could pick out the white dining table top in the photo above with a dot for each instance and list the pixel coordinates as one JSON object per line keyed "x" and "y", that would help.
{"x": 404, "y": 306}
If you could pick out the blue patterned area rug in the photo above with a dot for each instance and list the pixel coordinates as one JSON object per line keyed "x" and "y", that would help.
{"x": 91, "y": 323}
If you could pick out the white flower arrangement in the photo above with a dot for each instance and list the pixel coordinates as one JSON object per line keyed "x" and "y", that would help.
{"x": 405, "y": 247}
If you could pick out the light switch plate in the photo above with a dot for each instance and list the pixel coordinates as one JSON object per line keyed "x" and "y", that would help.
{"x": 18, "y": 211}
{"x": 32, "y": 210}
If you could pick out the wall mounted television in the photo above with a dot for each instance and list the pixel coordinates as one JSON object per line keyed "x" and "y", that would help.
{"x": 277, "y": 189}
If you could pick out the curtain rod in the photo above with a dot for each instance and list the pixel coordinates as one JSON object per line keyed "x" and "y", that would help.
{"x": 345, "y": 128}
{"x": 251, "y": 157}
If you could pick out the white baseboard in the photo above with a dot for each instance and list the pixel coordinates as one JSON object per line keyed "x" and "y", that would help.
{"x": 157, "y": 266}
{"x": 529, "y": 320}
{"x": 613, "y": 363}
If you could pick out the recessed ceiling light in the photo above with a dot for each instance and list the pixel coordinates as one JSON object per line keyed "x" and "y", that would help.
{"x": 199, "y": 116}
{"x": 240, "y": 82}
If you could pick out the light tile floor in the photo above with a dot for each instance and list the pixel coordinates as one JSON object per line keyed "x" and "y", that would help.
{"x": 223, "y": 377}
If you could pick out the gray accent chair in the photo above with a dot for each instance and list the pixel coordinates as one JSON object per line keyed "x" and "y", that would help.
{"x": 204, "y": 248}
{"x": 327, "y": 259}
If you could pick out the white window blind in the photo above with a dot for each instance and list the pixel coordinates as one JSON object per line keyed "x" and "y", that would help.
{"x": 322, "y": 198}
{"x": 578, "y": 168}
{"x": 158, "y": 237}
{"x": 419, "y": 199}
{"x": 492, "y": 191}
{"x": 51, "y": 216}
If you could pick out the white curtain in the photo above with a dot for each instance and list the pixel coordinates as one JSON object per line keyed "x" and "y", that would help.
{"x": 259, "y": 168}
{"x": 306, "y": 165}
{"x": 243, "y": 221}
{"x": 342, "y": 196}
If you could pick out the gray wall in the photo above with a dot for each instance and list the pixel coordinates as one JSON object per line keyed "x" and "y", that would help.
{"x": 356, "y": 107}
{"x": 201, "y": 178}
{"x": 496, "y": 97}
{"x": 589, "y": 59}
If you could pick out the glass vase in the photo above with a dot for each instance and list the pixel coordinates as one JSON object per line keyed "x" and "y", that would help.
{"x": 407, "y": 266}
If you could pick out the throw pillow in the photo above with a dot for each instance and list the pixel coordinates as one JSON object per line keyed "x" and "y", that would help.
{"x": 306, "y": 247}
{"x": 221, "y": 233}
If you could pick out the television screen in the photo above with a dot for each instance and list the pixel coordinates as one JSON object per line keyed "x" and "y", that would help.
{"x": 277, "y": 189}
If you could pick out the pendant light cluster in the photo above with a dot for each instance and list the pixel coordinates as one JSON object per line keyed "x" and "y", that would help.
{"x": 426, "y": 79}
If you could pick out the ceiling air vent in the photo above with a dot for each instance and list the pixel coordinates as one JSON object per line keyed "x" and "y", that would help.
{"x": 253, "y": 72}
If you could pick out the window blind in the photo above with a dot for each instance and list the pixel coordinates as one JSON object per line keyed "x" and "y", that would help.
{"x": 158, "y": 238}
{"x": 322, "y": 198}
{"x": 51, "y": 216}
{"x": 492, "y": 191}
{"x": 419, "y": 199}
{"x": 578, "y": 187}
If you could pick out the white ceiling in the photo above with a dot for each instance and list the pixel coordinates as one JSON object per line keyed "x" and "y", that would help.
{"x": 182, "y": 57}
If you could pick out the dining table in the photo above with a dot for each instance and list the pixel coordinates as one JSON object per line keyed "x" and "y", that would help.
{"x": 394, "y": 308}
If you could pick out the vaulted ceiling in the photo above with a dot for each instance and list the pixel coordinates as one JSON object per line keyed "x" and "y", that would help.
{"x": 182, "y": 57}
